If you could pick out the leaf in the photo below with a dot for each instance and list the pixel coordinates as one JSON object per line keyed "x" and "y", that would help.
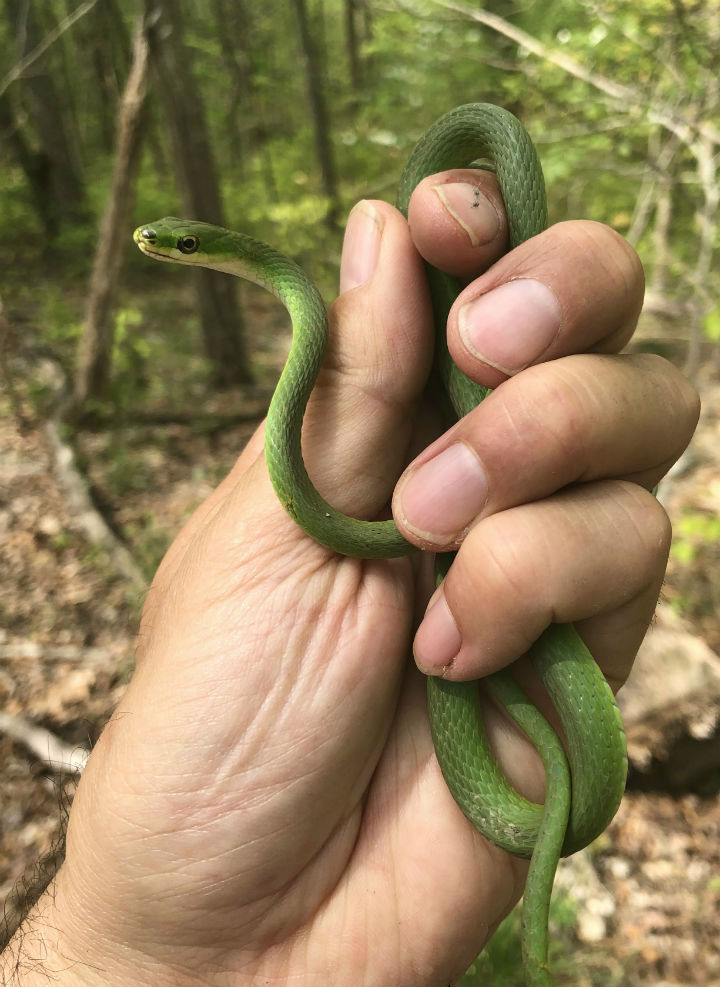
{"x": 711, "y": 324}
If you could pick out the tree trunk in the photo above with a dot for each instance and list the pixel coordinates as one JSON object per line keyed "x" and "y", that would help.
{"x": 93, "y": 365}
{"x": 318, "y": 109}
{"x": 706, "y": 217}
{"x": 662, "y": 257}
{"x": 351, "y": 42}
{"x": 35, "y": 166}
{"x": 233, "y": 35}
{"x": 220, "y": 315}
{"x": 110, "y": 45}
{"x": 55, "y": 164}
{"x": 245, "y": 128}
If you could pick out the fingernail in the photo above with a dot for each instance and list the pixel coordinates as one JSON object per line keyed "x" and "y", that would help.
{"x": 471, "y": 210}
{"x": 438, "y": 639}
{"x": 511, "y": 326}
{"x": 444, "y": 495}
{"x": 361, "y": 246}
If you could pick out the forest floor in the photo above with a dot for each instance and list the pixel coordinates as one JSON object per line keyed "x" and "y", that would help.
{"x": 68, "y": 618}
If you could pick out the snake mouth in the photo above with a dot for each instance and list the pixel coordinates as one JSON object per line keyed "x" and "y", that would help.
{"x": 151, "y": 250}
{"x": 156, "y": 255}
{"x": 145, "y": 238}
{"x": 185, "y": 245}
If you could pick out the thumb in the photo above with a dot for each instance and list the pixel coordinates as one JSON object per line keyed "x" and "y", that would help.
{"x": 358, "y": 423}
{"x": 359, "y": 420}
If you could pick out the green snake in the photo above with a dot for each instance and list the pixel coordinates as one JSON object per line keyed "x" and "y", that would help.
{"x": 585, "y": 779}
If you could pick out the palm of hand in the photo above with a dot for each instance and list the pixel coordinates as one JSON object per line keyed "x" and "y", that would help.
{"x": 296, "y": 793}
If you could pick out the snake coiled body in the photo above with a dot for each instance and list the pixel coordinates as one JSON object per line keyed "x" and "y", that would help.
{"x": 585, "y": 781}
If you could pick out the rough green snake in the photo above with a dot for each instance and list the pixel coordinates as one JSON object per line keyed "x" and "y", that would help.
{"x": 585, "y": 779}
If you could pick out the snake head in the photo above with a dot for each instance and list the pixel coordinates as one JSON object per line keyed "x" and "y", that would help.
{"x": 174, "y": 239}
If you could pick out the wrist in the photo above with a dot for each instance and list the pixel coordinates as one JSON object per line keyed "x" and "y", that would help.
{"x": 35, "y": 954}
{"x": 53, "y": 948}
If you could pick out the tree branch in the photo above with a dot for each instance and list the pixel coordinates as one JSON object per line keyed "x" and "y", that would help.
{"x": 17, "y": 71}
{"x": 51, "y": 750}
{"x": 634, "y": 100}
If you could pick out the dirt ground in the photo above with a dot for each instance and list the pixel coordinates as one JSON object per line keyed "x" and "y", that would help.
{"x": 68, "y": 617}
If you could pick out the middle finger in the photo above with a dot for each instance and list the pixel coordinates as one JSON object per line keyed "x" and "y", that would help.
{"x": 558, "y": 423}
{"x": 577, "y": 286}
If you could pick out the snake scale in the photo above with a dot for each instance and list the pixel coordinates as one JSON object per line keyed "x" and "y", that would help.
{"x": 585, "y": 777}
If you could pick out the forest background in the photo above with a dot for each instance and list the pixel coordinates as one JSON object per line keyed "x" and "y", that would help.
{"x": 127, "y": 390}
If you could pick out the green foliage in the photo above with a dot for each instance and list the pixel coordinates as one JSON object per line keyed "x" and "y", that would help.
{"x": 500, "y": 963}
{"x": 692, "y": 531}
{"x": 417, "y": 61}
{"x": 131, "y": 352}
{"x": 150, "y": 541}
{"x": 711, "y": 324}
{"x": 126, "y": 471}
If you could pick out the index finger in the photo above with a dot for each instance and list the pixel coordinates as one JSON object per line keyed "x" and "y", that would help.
{"x": 577, "y": 287}
{"x": 457, "y": 221}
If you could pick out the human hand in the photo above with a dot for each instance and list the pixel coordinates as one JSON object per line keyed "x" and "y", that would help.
{"x": 265, "y": 805}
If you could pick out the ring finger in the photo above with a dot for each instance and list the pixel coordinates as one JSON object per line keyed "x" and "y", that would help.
{"x": 552, "y": 561}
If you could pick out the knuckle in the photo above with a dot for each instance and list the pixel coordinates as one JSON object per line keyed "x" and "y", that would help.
{"x": 507, "y": 576}
{"x": 549, "y": 408}
{"x": 684, "y": 398}
{"x": 659, "y": 530}
{"x": 611, "y": 252}
{"x": 647, "y": 520}
{"x": 690, "y": 401}
{"x": 681, "y": 404}
{"x": 609, "y": 282}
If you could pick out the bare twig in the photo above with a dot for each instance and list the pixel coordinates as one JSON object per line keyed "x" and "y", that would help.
{"x": 661, "y": 158}
{"x": 634, "y": 100}
{"x": 689, "y": 123}
{"x": 48, "y": 748}
{"x": 86, "y": 517}
{"x": 22, "y": 650}
{"x": 17, "y": 71}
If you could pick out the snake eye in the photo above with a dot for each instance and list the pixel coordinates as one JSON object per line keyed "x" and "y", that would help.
{"x": 188, "y": 244}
